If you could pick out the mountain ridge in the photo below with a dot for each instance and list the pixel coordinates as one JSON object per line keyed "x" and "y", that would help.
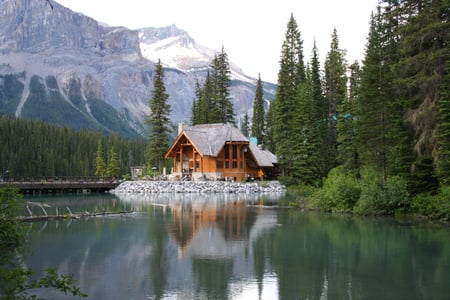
{"x": 101, "y": 74}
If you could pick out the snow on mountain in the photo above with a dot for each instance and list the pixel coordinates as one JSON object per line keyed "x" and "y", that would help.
{"x": 176, "y": 49}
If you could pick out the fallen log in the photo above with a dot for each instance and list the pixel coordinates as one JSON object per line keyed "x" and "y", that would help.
{"x": 70, "y": 217}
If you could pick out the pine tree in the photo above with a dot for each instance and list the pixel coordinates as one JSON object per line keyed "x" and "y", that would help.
{"x": 399, "y": 155}
{"x": 206, "y": 106}
{"x": 100, "y": 164}
{"x": 291, "y": 73}
{"x": 347, "y": 123}
{"x": 245, "y": 126}
{"x": 269, "y": 142}
{"x": 196, "y": 112}
{"x": 374, "y": 99}
{"x": 303, "y": 166}
{"x": 258, "y": 122}
{"x": 319, "y": 117}
{"x": 373, "y": 105}
{"x": 159, "y": 121}
{"x": 421, "y": 31}
{"x": 113, "y": 168}
{"x": 223, "y": 110}
{"x": 443, "y": 126}
{"x": 335, "y": 93}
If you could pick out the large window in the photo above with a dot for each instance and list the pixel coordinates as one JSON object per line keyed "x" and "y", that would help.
{"x": 219, "y": 164}
{"x": 234, "y": 151}
{"x": 227, "y": 151}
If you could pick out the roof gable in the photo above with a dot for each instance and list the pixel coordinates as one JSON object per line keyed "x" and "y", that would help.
{"x": 264, "y": 158}
{"x": 210, "y": 138}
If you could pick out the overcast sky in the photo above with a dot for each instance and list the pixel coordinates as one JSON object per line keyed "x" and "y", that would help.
{"x": 251, "y": 31}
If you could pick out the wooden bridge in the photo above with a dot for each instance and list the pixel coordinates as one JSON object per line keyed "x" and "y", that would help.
{"x": 60, "y": 184}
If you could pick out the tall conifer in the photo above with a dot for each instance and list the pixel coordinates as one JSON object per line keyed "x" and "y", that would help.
{"x": 245, "y": 125}
{"x": 112, "y": 168}
{"x": 347, "y": 123}
{"x": 304, "y": 166}
{"x": 223, "y": 110}
{"x": 100, "y": 164}
{"x": 421, "y": 31}
{"x": 319, "y": 117}
{"x": 160, "y": 125}
{"x": 374, "y": 98}
{"x": 258, "y": 122}
{"x": 291, "y": 73}
{"x": 196, "y": 111}
{"x": 335, "y": 93}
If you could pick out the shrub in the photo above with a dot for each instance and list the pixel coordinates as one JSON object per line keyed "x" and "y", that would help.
{"x": 371, "y": 194}
{"x": 340, "y": 192}
{"x": 433, "y": 206}
{"x": 382, "y": 197}
{"x": 396, "y": 195}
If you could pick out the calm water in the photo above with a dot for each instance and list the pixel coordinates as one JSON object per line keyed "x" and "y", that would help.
{"x": 233, "y": 248}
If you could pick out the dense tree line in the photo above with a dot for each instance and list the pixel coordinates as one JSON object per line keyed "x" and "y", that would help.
{"x": 382, "y": 128}
{"x": 34, "y": 148}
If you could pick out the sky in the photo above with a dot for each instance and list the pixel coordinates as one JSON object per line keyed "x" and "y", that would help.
{"x": 251, "y": 31}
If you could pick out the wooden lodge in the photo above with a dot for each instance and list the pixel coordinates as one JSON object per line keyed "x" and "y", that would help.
{"x": 219, "y": 152}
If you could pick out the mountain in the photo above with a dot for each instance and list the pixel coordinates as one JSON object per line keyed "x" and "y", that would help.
{"x": 68, "y": 69}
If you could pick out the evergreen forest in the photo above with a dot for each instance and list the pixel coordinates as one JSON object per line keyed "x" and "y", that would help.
{"x": 35, "y": 148}
{"x": 375, "y": 136}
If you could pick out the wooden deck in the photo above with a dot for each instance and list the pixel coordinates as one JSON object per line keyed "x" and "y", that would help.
{"x": 63, "y": 184}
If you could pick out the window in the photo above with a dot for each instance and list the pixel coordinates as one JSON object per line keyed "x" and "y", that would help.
{"x": 227, "y": 165}
{"x": 234, "y": 151}
{"x": 227, "y": 151}
{"x": 234, "y": 164}
{"x": 219, "y": 164}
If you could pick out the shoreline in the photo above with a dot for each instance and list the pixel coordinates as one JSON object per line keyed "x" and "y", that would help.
{"x": 199, "y": 187}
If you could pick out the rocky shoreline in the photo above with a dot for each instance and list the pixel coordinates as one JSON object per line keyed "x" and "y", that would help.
{"x": 199, "y": 187}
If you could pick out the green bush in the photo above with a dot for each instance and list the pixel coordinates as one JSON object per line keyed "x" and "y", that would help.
{"x": 340, "y": 192}
{"x": 287, "y": 180}
{"x": 433, "y": 206}
{"x": 396, "y": 194}
{"x": 382, "y": 197}
{"x": 371, "y": 197}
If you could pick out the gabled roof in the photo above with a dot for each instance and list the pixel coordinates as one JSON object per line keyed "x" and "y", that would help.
{"x": 264, "y": 158}
{"x": 210, "y": 138}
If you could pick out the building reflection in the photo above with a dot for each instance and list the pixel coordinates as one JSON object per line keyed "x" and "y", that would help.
{"x": 215, "y": 235}
{"x": 208, "y": 225}
{"x": 210, "y": 229}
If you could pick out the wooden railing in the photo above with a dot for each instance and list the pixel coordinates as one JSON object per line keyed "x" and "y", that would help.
{"x": 62, "y": 183}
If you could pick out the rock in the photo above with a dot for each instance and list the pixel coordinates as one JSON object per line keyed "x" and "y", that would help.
{"x": 159, "y": 187}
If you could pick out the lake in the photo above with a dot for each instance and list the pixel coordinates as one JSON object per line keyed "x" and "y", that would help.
{"x": 236, "y": 247}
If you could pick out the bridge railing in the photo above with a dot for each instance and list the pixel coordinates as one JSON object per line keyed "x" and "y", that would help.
{"x": 58, "y": 179}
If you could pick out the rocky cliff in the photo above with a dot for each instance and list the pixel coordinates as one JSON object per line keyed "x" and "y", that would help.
{"x": 66, "y": 68}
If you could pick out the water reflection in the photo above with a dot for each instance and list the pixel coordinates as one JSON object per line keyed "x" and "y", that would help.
{"x": 241, "y": 247}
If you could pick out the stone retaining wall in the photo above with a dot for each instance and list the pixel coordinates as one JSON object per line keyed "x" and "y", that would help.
{"x": 156, "y": 187}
